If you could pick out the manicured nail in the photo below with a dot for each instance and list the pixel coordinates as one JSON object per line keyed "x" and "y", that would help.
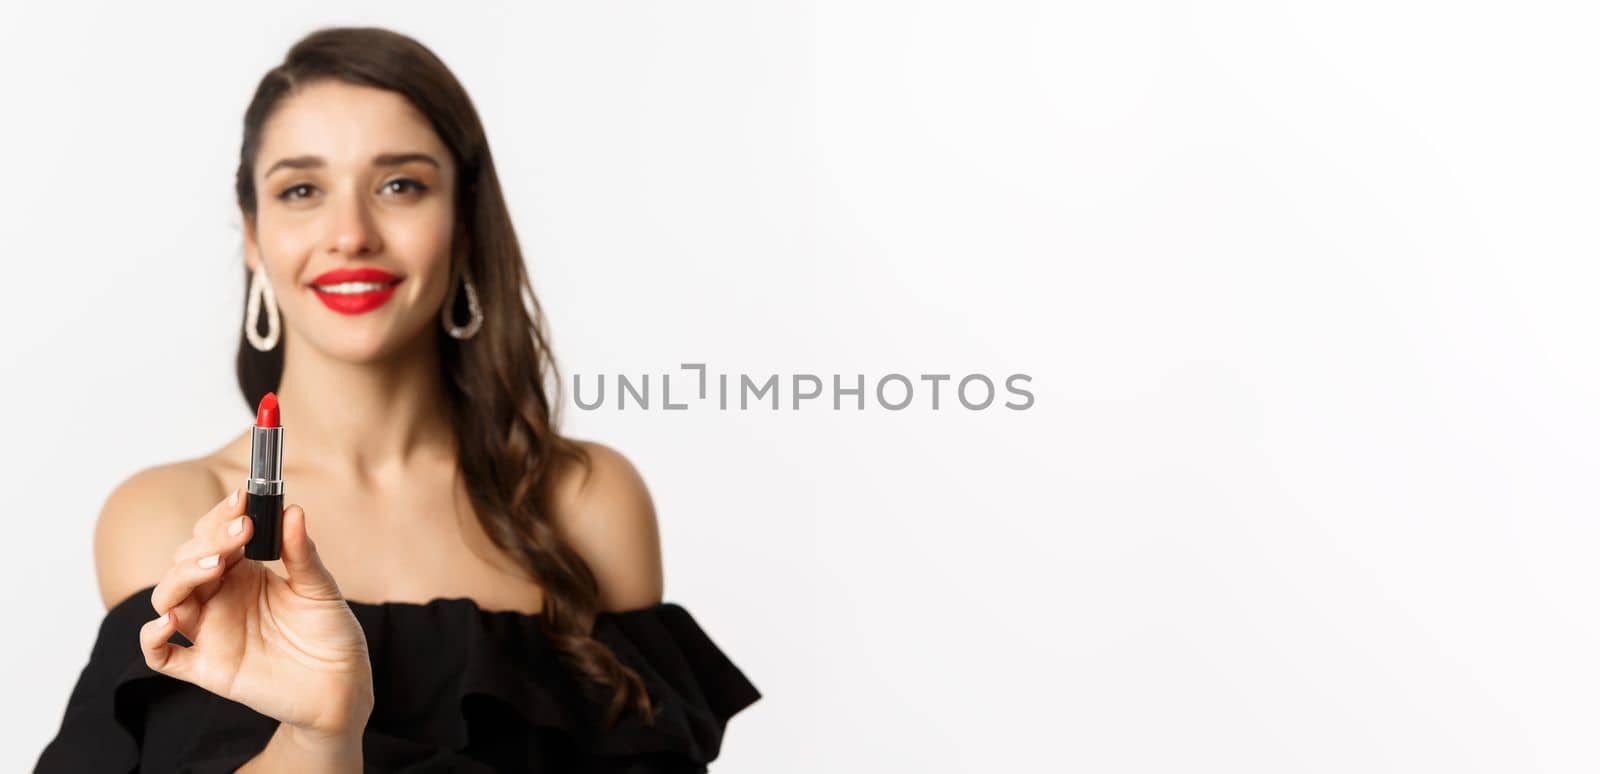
{"x": 236, "y": 526}
{"x": 209, "y": 562}
{"x": 233, "y": 497}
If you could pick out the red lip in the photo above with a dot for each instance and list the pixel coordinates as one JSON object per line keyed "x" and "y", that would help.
{"x": 355, "y": 303}
{"x": 359, "y": 274}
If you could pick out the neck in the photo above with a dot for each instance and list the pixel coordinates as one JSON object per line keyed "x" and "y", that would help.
{"x": 366, "y": 420}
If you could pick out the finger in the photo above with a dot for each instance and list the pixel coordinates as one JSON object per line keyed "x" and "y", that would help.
{"x": 225, "y": 509}
{"x": 160, "y": 655}
{"x": 182, "y": 578}
{"x": 206, "y": 528}
{"x": 194, "y": 572}
{"x": 308, "y": 576}
{"x": 232, "y": 535}
{"x": 188, "y": 613}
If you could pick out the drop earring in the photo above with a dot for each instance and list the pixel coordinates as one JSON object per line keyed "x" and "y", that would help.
{"x": 261, "y": 295}
{"x": 469, "y": 330}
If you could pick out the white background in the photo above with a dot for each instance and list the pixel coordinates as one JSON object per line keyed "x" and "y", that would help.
{"x": 1306, "y": 290}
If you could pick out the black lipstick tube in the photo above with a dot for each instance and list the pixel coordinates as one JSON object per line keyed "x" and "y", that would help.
{"x": 264, "y": 493}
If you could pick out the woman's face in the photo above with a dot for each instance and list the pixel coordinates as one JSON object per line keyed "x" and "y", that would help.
{"x": 353, "y": 178}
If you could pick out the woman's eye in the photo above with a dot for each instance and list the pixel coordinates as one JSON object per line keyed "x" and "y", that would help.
{"x": 289, "y": 193}
{"x": 404, "y": 182}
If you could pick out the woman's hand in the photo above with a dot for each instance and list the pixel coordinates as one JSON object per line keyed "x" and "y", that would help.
{"x": 290, "y": 649}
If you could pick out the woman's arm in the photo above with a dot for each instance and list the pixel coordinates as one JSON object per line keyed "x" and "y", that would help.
{"x": 141, "y": 521}
{"x": 294, "y": 749}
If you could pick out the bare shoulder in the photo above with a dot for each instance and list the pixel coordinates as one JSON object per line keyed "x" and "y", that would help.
{"x": 145, "y": 518}
{"x": 608, "y": 517}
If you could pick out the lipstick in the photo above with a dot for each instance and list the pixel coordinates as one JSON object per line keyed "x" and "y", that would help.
{"x": 264, "y": 488}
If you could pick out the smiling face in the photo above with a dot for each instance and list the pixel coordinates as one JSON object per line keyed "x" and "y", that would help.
{"x": 354, "y": 219}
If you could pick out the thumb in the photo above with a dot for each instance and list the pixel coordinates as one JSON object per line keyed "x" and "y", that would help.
{"x": 308, "y": 576}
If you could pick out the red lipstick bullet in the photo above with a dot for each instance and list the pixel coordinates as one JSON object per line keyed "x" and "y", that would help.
{"x": 264, "y": 489}
{"x": 267, "y": 412}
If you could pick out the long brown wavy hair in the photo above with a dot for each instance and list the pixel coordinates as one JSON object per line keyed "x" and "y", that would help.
{"x": 505, "y": 422}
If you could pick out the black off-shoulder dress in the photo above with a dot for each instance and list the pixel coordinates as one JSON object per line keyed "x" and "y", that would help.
{"x": 457, "y": 688}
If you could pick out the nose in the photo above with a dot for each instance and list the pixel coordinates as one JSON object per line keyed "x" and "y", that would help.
{"x": 354, "y": 233}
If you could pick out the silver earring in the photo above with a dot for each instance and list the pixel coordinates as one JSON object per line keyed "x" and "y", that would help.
{"x": 469, "y": 330}
{"x": 261, "y": 295}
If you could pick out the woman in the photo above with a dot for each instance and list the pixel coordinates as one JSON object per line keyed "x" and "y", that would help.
{"x": 521, "y": 625}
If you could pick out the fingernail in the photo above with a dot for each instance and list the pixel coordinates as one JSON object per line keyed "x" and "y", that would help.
{"x": 233, "y": 497}
{"x": 236, "y": 526}
{"x": 162, "y": 621}
{"x": 209, "y": 562}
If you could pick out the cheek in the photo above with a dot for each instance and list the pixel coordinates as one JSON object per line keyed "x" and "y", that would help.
{"x": 418, "y": 243}
{"x": 282, "y": 240}
{"x": 423, "y": 244}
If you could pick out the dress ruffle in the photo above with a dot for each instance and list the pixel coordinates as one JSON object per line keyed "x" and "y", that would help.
{"x": 457, "y": 688}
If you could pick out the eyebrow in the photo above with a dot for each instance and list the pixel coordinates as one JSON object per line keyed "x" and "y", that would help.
{"x": 380, "y": 160}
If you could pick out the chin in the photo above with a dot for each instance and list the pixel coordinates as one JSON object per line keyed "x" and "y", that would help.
{"x": 365, "y": 346}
